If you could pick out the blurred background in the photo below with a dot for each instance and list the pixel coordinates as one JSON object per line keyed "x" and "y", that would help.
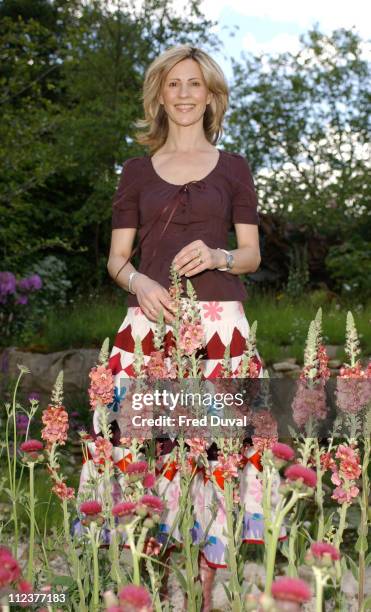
{"x": 71, "y": 77}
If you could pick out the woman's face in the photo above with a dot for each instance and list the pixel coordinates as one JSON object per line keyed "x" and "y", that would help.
{"x": 184, "y": 93}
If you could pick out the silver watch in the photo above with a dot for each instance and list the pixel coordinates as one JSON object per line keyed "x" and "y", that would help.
{"x": 230, "y": 260}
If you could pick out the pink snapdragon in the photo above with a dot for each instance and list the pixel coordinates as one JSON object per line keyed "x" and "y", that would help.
{"x": 350, "y": 467}
{"x": 156, "y": 367}
{"x": 197, "y": 447}
{"x": 353, "y": 388}
{"x": 291, "y": 589}
{"x": 191, "y": 337}
{"x": 309, "y": 402}
{"x": 345, "y": 494}
{"x": 345, "y": 474}
{"x": 228, "y": 465}
{"x": 62, "y": 491}
{"x": 327, "y": 461}
{"x": 101, "y": 386}
{"x": 55, "y": 419}
{"x": 265, "y": 430}
{"x": 102, "y": 451}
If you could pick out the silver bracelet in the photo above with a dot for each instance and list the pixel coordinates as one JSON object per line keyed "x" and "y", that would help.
{"x": 131, "y": 276}
{"x": 227, "y": 254}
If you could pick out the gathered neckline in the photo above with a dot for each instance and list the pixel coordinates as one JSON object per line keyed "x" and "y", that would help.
{"x": 183, "y": 184}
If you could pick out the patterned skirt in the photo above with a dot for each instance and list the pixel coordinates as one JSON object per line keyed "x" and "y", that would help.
{"x": 224, "y": 324}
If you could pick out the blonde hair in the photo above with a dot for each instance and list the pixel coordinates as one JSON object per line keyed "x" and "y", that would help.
{"x": 155, "y": 122}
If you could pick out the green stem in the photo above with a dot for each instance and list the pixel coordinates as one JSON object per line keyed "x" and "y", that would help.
{"x": 185, "y": 523}
{"x": 319, "y": 495}
{"x": 12, "y": 480}
{"x": 32, "y": 523}
{"x": 73, "y": 557}
{"x": 319, "y": 589}
{"x": 135, "y": 558}
{"x": 363, "y": 527}
{"x": 154, "y": 589}
{"x": 273, "y": 535}
{"x": 236, "y": 589}
{"x": 292, "y": 571}
{"x": 342, "y": 524}
{"x": 94, "y": 545}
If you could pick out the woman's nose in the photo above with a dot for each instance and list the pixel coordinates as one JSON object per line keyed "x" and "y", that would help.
{"x": 184, "y": 90}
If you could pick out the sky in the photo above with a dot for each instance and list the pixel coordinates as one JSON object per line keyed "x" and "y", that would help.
{"x": 270, "y": 26}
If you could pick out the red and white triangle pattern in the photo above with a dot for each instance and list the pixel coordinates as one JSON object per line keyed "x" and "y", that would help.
{"x": 231, "y": 328}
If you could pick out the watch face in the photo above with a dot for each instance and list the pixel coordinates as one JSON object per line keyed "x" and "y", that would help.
{"x": 230, "y": 260}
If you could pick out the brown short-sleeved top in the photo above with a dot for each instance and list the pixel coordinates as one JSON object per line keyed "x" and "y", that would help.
{"x": 169, "y": 216}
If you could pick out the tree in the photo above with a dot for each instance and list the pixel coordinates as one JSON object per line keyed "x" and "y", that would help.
{"x": 302, "y": 121}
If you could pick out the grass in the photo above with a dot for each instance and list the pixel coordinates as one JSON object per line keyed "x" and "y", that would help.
{"x": 282, "y": 323}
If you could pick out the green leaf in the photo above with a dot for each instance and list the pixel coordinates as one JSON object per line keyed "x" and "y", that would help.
{"x": 361, "y": 544}
{"x": 63, "y": 581}
{"x": 353, "y": 567}
{"x": 181, "y": 579}
{"x": 227, "y": 592}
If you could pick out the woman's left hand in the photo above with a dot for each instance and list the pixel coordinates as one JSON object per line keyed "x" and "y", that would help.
{"x": 196, "y": 257}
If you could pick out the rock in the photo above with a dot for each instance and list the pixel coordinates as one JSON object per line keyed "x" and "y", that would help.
{"x": 285, "y": 366}
{"x": 290, "y": 360}
{"x": 334, "y": 363}
{"x": 44, "y": 368}
{"x": 294, "y": 374}
{"x": 332, "y": 350}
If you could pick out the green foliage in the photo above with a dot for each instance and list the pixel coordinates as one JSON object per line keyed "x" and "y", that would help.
{"x": 298, "y": 273}
{"x": 72, "y": 76}
{"x": 349, "y": 265}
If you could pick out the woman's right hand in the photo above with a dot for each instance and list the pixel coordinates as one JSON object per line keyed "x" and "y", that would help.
{"x": 152, "y": 298}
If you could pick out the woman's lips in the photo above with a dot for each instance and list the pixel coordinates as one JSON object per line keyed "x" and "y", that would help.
{"x": 184, "y": 109}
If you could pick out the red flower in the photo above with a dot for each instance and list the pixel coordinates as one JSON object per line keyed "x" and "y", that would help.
{"x": 299, "y": 472}
{"x": 139, "y": 468}
{"x": 24, "y": 586}
{"x": 124, "y": 509}
{"x": 10, "y": 570}
{"x": 32, "y": 446}
{"x": 149, "y": 481}
{"x": 135, "y": 599}
{"x": 153, "y": 504}
{"x": 291, "y": 589}
{"x": 283, "y": 451}
{"x": 91, "y": 508}
{"x": 5, "y": 577}
{"x": 319, "y": 549}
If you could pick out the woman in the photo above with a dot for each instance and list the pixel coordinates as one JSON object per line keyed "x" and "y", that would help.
{"x": 182, "y": 200}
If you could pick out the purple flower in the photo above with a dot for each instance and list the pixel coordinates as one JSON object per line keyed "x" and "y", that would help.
{"x": 34, "y": 396}
{"x": 21, "y": 299}
{"x": 21, "y": 423}
{"x": 7, "y": 285}
{"x": 30, "y": 283}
